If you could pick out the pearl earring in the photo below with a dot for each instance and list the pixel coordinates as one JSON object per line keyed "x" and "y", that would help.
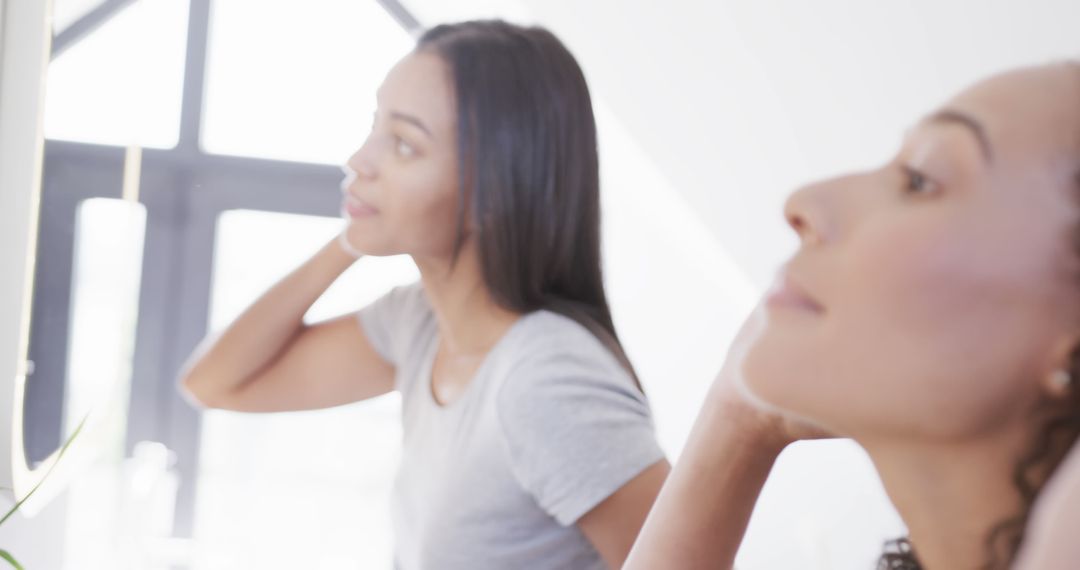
{"x": 1061, "y": 380}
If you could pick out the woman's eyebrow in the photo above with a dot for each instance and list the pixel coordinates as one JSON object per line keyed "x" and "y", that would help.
{"x": 952, "y": 116}
{"x": 412, "y": 120}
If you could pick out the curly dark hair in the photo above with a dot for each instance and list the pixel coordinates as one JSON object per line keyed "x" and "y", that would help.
{"x": 1055, "y": 437}
{"x": 898, "y": 555}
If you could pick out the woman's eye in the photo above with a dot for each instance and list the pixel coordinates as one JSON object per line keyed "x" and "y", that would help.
{"x": 916, "y": 182}
{"x": 404, "y": 149}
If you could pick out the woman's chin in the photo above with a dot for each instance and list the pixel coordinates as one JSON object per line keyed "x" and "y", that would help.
{"x": 360, "y": 243}
{"x": 769, "y": 384}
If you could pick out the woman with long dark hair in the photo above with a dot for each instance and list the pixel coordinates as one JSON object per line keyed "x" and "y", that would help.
{"x": 932, "y": 314}
{"x": 527, "y": 440}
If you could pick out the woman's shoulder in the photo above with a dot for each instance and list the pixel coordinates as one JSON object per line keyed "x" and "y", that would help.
{"x": 394, "y": 321}
{"x": 411, "y": 296}
{"x": 553, "y": 353}
{"x": 407, "y": 305}
{"x": 547, "y": 335}
{"x": 563, "y": 375}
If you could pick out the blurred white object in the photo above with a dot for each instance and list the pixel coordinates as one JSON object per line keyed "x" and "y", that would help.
{"x": 147, "y": 504}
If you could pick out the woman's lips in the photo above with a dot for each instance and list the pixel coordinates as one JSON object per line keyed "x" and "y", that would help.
{"x": 787, "y": 294}
{"x": 357, "y": 208}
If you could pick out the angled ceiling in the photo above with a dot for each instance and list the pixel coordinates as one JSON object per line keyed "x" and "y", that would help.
{"x": 739, "y": 102}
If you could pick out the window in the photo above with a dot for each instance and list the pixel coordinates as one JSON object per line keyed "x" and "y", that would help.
{"x": 122, "y": 84}
{"x": 314, "y": 485}
{"x": 293, "y": 82}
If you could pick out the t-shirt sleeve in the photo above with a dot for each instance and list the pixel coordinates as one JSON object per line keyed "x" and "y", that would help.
{"x": 391, "y": 321}
{"x": 576, "y": 428}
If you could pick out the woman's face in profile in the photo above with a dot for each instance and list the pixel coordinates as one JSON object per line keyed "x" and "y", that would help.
{"x": 401, "y": 186}
{"x": 932, "y": 297}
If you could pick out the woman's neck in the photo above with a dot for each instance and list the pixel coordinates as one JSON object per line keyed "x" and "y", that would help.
{"x": 469, "y": 319}
{"x": 953, "y": 495}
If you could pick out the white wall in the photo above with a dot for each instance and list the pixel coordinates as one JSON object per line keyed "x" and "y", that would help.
{"x": 37, "y": 543}
{"x": 739, "y": 101}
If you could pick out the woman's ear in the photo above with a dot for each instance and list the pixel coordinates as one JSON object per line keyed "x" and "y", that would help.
{"x": 1061, "y": 379}
{"x": 1059, "y": 383}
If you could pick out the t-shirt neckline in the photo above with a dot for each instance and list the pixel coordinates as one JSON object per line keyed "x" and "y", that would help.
{"x": 470, "y": 388}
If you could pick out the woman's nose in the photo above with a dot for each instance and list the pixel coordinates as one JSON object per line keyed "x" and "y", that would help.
{"x": 805, "y": 212}
{"x": 360, "y": 164}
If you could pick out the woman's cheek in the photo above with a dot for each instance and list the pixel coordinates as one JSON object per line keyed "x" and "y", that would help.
{"x": 910, "y": 272}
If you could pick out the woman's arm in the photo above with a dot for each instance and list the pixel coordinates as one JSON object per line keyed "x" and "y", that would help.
{"x": 703, "y": 509}
{"x": 701, "y": 514}
{"x": 268, "y": 360}
{"x": 614, "y": 524}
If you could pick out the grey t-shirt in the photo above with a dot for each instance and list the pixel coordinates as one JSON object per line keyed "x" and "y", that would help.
{"x": 549, "y": 427}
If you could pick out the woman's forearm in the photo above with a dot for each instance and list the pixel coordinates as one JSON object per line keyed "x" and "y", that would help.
{"x": 702, "y": 511}
{"x": 225, "y": 361}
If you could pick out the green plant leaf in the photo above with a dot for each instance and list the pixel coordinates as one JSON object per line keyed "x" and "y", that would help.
{"x": 11, "y": 559}
{"x": 59, "y": 456}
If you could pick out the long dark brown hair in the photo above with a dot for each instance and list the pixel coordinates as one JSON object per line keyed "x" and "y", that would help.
{"x": 528, "y": 168}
